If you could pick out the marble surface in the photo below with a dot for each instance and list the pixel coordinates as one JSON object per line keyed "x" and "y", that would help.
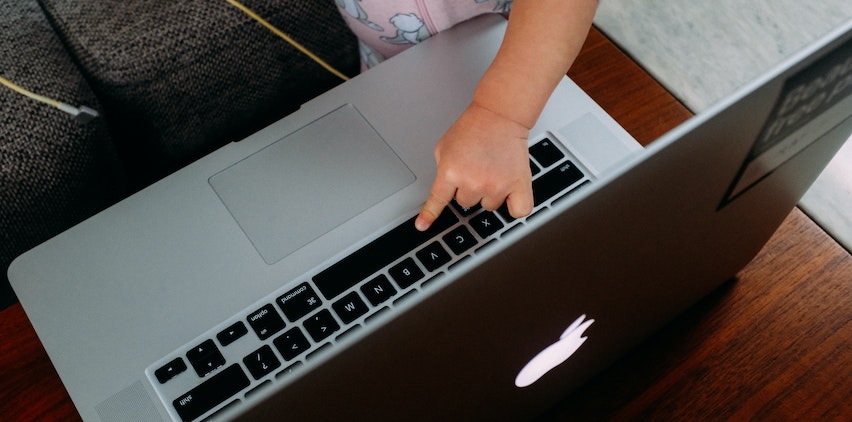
{"x": 703, "y": 51}
{"x": 829, "y": 200}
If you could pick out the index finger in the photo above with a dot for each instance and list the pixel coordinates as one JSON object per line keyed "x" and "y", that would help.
{"x": 439, "y": 196}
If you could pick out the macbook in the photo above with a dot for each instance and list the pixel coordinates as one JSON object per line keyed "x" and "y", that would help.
{"x": 281, "y": 276}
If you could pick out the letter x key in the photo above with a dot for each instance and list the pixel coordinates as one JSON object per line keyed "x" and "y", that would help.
{"x": 485, "y": 224}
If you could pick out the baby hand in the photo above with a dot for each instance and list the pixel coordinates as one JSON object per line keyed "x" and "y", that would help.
{"x": 481, "y": 159}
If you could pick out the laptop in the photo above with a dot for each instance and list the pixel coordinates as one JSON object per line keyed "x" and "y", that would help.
{"x": 281, "y": 277}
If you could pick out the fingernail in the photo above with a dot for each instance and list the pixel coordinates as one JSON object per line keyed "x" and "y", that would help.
{"x": 421, "y": 224}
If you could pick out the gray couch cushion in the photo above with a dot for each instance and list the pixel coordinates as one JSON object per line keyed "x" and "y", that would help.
{"x": 54, "y": 172}
{"x": 179, "y": 78}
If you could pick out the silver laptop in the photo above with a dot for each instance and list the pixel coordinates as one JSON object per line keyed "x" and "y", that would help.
{"x": 281, "y": 277}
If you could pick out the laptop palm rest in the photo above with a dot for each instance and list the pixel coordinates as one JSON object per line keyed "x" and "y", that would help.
{"x": 309, "y": 182}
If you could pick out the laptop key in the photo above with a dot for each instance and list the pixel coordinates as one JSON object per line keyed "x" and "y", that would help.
{"x": 405, "y": 273}
{"x": 288, "y": 370}
{"x": 255, "y": 390}
{"x": 232, "y": 333}
{"x": 504, "y": 212}
{"x": 211, "y": 393}
{"x": 485, "y": 224}
{"x": 218, "y": 414}
{"x": 349, "y": 307}
{"x": 465, "y": 211}
{"x": 376, "y": 314}
{"x": 205, "y": 358}
{"x": 371, "y": 258}
{"x": 321, "y": 325}
{"x": 346, "y": 333}
{"x": 170, "y": 370}
{"x": 534, "y": 168}
{"x": 459, "y": 240}
{"x": 555, "y": 181}
{"x": 317, "y": 352}
{"x": 265, "y": 321}
{"x": 546, "y": 153}
{"x": 299, "y": 302}
{"x": 378, "y": 290}
{"x": 433, "y": 256}
{"x": 291, "y": 344}
{"x": 568, "y": 194}
{"x": 261, "y": 362}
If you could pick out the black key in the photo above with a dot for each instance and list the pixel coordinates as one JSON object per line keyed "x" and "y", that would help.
{"x": 485, "y": 246}
{"x": 205, "y": 358}
{"x": 464, "y": 211}
{"x": 261, "y": 362}
{"x": 405, "y": 297}
{"x": 504, "y": 212}
{"x": 433, "y": 256}
{"x": 546, "y": 153}
{"x": 232, "y": 333}
{"x": 375, "y": 314}
{"x": 378, "y": 290}
{"x": 317, "y": 352}
{"x": 350, "y": 307}
{"x": 346, "y": 333}
{"x": 485, "y": 224}
{"x": 257, "y": 389}
{"x": 217, "y": 415}
{"x": 391, "y": 246}
{"x": 405, "y": 273}
{"x": 457, "y": 263}
{"x": 534, "y": 168}
{"x": 299, "y": 302}
{"x": 211, "y": 393}
{"x": 555, "y": 181}
{"x": 321, "y": 325}
{"x": 288, "y": 370}
{"x": 568, "y": 194}
{"x": 291, "y": 344}
{"x": 265, "y": 321}
{"x": 512, "y": 229}
{"x": 535, "y": 215}
{"x": 459, "y": 240}
{"x": 170, "y": 370}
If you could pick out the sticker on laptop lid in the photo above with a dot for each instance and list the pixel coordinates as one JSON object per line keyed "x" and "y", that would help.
{"x": 811, "y": 102}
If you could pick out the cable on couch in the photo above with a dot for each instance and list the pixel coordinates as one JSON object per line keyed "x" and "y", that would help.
{"x": 81, "y": 114}
{"x": 289, "y": 39}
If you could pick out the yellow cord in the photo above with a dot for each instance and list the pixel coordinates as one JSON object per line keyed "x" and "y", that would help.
{"x": 30, "y": 94}
{"x": 287, "y": 38}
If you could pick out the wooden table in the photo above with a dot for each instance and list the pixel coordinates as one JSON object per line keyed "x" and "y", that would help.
{"x": 776, "y": 343}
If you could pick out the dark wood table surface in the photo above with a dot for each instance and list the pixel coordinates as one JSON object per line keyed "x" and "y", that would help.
{"x": 775, "y": 343}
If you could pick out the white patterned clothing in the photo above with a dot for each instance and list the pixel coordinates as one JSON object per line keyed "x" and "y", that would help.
{"x": 386, "y": 27}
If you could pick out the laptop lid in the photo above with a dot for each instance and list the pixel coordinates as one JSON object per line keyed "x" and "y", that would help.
{"x": 627, "y": 253}
{"x": 153, "y": 278}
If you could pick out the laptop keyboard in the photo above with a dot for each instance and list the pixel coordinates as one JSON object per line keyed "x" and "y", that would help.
{"x": 268, "y": 341}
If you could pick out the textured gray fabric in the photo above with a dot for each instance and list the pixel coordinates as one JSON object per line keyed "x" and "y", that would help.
{"x": 180, "y": 78}
{"x": 54, "y": 172}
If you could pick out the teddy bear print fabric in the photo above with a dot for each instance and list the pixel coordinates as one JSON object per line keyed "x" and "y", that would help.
{"x": 387, "y": 27}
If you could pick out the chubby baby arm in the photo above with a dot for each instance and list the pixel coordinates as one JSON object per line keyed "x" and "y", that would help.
{"x": 483, "y": 157}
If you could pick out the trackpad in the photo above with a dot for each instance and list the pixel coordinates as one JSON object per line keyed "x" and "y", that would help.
{"x": 309, "y": 182}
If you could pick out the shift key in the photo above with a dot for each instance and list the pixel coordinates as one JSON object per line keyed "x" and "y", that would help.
{"x": 211, "y": 393}
{"x": 555, "y": 181}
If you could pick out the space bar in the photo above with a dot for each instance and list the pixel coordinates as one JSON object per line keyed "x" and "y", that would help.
{"x": 392, "y": 245}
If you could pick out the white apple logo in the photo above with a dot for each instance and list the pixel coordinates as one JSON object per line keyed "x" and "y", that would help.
{"x": 556, "y": 353}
